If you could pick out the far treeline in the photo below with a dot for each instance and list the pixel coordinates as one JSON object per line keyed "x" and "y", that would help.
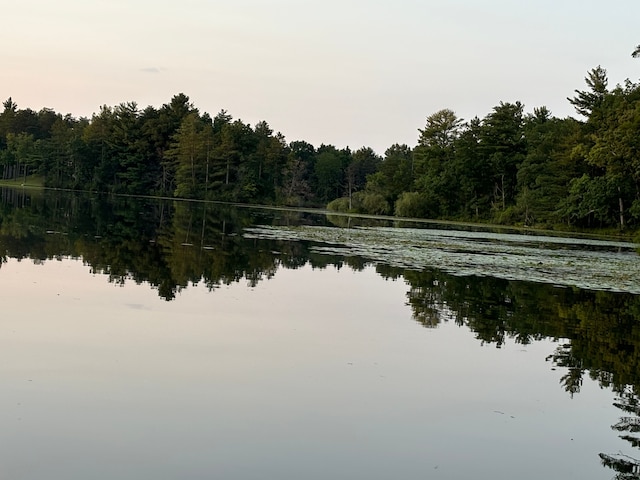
{"x": 509, "y": 167}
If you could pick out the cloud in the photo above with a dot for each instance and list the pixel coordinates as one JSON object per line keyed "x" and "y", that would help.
{"x": 151, "y": 70}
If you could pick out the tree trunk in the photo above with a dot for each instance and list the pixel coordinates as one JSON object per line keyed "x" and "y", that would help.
{"x": 206, "y": 180}
{"x": 206, "y": 176}
{"x": 193, "y": 171}
{"x": 621, "y": 209}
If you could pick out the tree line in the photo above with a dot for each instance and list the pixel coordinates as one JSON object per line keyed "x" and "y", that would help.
{"x": 509, "y": 167}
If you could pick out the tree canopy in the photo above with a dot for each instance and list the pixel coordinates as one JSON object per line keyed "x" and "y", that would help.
{"x": 509, "y": 167}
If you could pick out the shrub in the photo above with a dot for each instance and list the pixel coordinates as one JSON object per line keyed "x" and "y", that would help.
{"x": 373, "y": 203}
{"x": 410, "y": 204}
{"x": 339, "y": 205}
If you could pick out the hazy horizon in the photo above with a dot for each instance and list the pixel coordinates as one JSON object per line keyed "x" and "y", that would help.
{"x": 349, "y": 73}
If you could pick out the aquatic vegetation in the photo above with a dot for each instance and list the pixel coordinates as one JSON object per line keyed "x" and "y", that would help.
{"x": 583, "y": 263}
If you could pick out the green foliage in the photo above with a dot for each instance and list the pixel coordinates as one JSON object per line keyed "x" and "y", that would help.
{"x": 190, "y": 153}
{"x": 341, "y": 204}
{"x": 591, "y": 202}
{"x": 434, "y": 162}
{"x": 394, "y": 174}
{"x": 544, "y": 174}
{"x": 363, "y": 162}
{"x": 503, "y": 144}
{"x": 411, "y": 204}
{"x": 512, "y": 215}
{"x": 441, "y": 130}
{"x": 510, "y": 167}
{"x": 586, "y": 102}
{"x": 361, "y": 202}
{"x": 472, "y": 170}
{"x": 373, "y": 203}
{"x": 329, "y": 173}
{"x": 297, "y": 175}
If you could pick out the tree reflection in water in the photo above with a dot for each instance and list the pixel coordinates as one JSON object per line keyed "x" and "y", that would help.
{"x": 171, "y": 245}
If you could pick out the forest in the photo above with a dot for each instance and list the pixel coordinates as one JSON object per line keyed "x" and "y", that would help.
{"x": 510, "y": 167}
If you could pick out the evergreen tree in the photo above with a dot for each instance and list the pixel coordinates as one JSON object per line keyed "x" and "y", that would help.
{"x": 587, "y": 101}
{"x": 502, "y": 143}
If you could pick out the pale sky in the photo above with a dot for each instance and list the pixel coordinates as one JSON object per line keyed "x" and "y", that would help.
{"x": 348, "y": 73}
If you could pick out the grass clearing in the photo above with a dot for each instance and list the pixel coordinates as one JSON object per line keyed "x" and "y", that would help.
{"x": 32, "y": 181}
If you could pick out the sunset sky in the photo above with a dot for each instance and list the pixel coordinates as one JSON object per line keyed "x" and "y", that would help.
{"x": 349, "y": 73}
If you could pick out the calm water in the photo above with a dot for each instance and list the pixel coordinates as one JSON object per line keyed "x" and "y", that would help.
{"x": 147, "y": 339}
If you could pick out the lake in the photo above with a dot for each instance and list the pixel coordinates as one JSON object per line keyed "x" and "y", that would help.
{"x": 164, "y": 339}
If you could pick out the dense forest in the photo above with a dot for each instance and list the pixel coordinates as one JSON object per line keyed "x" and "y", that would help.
{"x": 509, "y": 167}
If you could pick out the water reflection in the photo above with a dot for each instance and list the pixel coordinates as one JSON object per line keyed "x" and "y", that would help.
{"x": 626, "y": 466}
{"x": 174, "y": 245}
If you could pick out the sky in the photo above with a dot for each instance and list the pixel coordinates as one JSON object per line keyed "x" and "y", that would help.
{"x": 348, "y": 73}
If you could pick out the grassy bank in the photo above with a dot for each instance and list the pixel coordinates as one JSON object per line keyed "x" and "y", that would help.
{"x": 32, "y": 181}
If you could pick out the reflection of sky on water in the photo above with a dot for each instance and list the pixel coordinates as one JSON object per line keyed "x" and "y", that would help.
{"x": 314, "y": 374}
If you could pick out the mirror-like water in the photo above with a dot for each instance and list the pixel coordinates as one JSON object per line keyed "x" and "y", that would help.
{"x": 143, "y": 339}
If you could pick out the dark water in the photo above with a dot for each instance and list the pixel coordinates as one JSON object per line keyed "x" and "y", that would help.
{"x": 155, "y": 339}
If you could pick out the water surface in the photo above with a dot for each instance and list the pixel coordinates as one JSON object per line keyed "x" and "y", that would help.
{"x": 143, "y": 339}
